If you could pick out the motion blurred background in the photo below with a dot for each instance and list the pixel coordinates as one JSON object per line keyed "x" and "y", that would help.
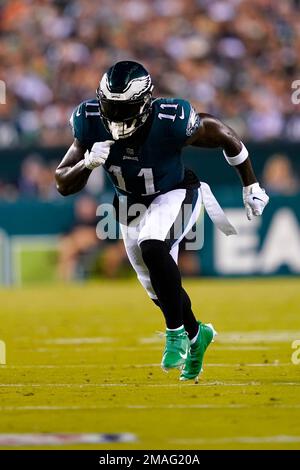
{"x": 236, "y": 59}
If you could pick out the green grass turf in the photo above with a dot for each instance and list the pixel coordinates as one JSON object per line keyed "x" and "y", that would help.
{"x": 248, "y": 396}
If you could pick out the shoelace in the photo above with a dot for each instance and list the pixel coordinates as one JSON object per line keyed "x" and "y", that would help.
{"x": 174, "y": 341}
{"x": 163, "y": 335}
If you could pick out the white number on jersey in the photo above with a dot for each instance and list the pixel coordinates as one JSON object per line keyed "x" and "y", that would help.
{"x": 117, "y": 171}
{"x": 167, "y": 116}
{"x": 149, "y": 181}
{"x": 147, "y": 173}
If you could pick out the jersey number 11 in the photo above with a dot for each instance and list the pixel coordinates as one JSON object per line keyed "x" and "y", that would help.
{"x": 147, "y": 173}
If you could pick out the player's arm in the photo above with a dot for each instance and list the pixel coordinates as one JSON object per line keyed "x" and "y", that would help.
{"x": 214, "y": 133}
{"x": 75, "y": 168}
{"x": 71, "y": 174}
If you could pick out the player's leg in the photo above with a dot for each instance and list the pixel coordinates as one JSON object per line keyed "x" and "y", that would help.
{"x": 166, "y": 281}
{"x": 189, "y": 320}
{"x": 134, "y": 254}
{"x": 171, "y": 217}
{"x": 177, "y": 340}
{"x": 200, "y": 334}
{"x": 132, "y": 235}
{"x": 157, "y": 239}
{"x": 161, "y": 260}
{"x": 135, "y": 257}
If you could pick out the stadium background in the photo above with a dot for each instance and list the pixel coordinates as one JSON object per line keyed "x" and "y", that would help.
{"x": 234, "y": 59}
{"x": 83, "y": 356}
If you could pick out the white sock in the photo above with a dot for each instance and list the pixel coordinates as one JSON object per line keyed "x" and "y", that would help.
{"x": 193, "y": 340}
{"x": 175, "y": 329}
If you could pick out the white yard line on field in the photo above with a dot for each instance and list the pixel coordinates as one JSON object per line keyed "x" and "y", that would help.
{"x": 72, "y": 341}
{"x": 242, "y": 347}
{"x": 244, "y": 337}
{"x": 271, "y": 364}
{"x": 52, "y": 366}
{"x": 204, "y": 406}
{"x": 252, "y": 337}
{"x": 81, "y": 349}
{"x": 169, "y": 385}
{"x": 200, "y": 384}
{"x": 77, "y": 366}
{"x": 100, "y": 385}
{"x": 103, "y": 407}
{"x": 138, "y": 366}
{"x": 229, "y": 339}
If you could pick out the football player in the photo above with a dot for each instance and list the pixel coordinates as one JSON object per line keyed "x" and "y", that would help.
{"x": 139, "y": 141}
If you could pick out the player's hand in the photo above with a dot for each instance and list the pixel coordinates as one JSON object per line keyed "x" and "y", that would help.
{"x": 98, "y": 154}
{"x": 255, "y": 200}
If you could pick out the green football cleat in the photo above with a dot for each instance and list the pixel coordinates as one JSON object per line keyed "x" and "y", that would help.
{"x": 193, "y": 364}
{"x": 176, "y": 349}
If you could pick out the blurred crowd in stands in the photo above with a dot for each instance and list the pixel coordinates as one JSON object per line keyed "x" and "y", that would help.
{"x": 36, "y": 180}
{"x": 233, "y": 58}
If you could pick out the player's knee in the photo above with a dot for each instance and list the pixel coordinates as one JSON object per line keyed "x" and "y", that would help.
{"x": 152, "y": 251}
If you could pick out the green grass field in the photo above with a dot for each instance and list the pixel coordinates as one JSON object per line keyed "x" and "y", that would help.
{"x": 85, "y": 358}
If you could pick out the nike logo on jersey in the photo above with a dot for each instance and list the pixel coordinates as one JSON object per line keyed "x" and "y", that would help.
{"x": 182, "y": 114}
{"x": 78, "y": 112}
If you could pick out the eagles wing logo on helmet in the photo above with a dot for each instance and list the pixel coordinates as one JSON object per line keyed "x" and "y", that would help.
{"x": 135, "y": 88}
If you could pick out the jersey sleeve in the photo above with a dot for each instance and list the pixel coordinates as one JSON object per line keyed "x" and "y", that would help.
{"x": 77, "y": 122}
{"x": 186, "y": 123}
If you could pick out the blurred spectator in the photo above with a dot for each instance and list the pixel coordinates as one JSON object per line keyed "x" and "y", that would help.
{"x": 188, "y": 263}
{"x": 36, "y": 178}
{"x": 279, "y": 177}
{"x": 8, "y": 191}
{"x": 81, "y": 239}
{"x": 80, "y": 248}
{"x": 31, "y": 174}
{"x": 233, "y": 58}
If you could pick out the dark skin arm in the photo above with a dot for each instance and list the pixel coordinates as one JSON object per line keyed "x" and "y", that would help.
{"x": 71, "y": 175}
{"x": 212, "y": 134}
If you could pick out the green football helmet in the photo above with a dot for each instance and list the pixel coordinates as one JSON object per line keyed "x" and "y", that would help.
{"x": 125, "y": 97}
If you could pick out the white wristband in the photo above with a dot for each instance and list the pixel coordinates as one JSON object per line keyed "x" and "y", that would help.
{"x": 238, "y": 159}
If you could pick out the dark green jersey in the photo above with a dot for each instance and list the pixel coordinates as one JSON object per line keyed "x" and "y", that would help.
{"x": 150, "y": 161}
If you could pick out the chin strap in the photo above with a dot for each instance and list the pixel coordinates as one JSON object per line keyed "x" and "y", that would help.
{"x": 119, "y": 131}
